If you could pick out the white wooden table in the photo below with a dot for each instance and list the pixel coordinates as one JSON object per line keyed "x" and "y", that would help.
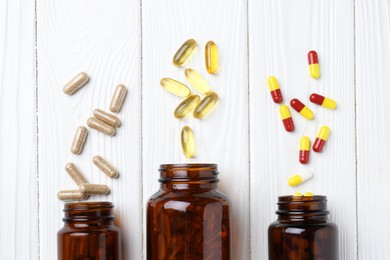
{"x": 45, "y": 43}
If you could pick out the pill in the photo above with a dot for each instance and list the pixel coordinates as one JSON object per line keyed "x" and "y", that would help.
{"x": 211, "y": 56}
{"x": 105, "y": 166}
{"x": 299, "y": 178}
{"x": 76, "y": 83}
{"x": 323, "y": 101}
{"x": 107, "y": 117}
{"x": 187, "y": 142}
{"x": 75, "y": 174}
{"x": 297, "y": 194}
{"x": 118, "y": 98}
{"x": 186, "y": 106}
{"x": 320, "y": 141}
{"x": 308, "y": 194}
{"x": 185, "y": 51}
{"x": 274, "y": 89}
{"x": 286, "y": 118}
{"x": 302, "y": 109}
{"x": 304, "y": 149}
{"x": 71, "y": 195}
{"x": 205, "y": 106}
{"x": 99, "y": 125}
{"x": 197, "y": 81}
{"x": 314, "y": 67}
{"x": 79, "y": 140}
{"x": 175, "y": 87}
{"x": 92, "y": 189}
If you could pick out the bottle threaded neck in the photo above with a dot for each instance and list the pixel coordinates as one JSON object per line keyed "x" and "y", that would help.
{"x": 188, "y": 172}
{"x": 88, "y": 211}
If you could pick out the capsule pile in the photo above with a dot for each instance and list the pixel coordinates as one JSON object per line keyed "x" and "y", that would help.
{"x": 307, "y": 113}
{"x": 193, "y": 103}
{"x": 103, "y": 122}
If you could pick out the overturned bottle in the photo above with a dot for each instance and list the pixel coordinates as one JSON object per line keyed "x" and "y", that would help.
{"x": 188, "y": 218}
{"x": 302, "y": 230}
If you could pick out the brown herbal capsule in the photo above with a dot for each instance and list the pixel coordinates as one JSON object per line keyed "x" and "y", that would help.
{"x": 99, "y": 125}
{"x": 91, "y": 189}
{"x": 71, "y": 195}
{"x": 76, "y": 83}
{"x": 75, "y": 174}
{"x": 103, "y": 165}
{"x": 79, "y": 140}
{"x": 107, "y": 117}
{"x": 118, "y": 98}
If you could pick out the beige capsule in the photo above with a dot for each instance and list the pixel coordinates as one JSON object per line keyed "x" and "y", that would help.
{"x": 118, "y": 98}
{"x": 205, "y": 106}
{"x": 75, "y": 174}
{"x": 79, "y": 140}
{"x": 188, "y": 142}
{"x": 99, "y": 125}
{"x": 107, "y": 118}
{"x": 76, "y": 83}
{"x": 105, "y": 166}
{"x": 186, "y": 107}
{"x": 91, "y": 189}
{"x": 71, "y": 195}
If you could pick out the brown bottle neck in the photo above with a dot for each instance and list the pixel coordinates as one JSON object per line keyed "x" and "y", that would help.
{"x": 88, "y": 213}
{"x": 302, "y": 209}
{"x": 188, "y": 177}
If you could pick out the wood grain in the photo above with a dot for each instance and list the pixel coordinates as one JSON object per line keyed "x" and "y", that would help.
{"x": 223, "y": 136}
{"x": 373, "y": 127}
{"x": 101, "y": 38}
{"x": 280, "y": 35}
{"x": 18, "y": 174}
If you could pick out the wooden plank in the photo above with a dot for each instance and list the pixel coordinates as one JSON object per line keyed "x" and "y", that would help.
{"x": 18, "y": 175}
{"x": 223, "y": 136}
{"x": 373, "y": 153}
{"x": 103, "y": 39}
{"x": 280, "y": 35}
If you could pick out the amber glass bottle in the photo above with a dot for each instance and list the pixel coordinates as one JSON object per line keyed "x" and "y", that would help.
{"x": 89, "y": 232}
{"x": 188, "y": 218}
{"x": 302, "y": 230}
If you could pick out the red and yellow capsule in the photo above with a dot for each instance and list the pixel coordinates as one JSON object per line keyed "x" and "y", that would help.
{"x": 314, "y": 67}
{"x": 286, "y": 118}
{"x": 323, "y": 101}
{"x": 274, "y": 89}
{"x": 302, "y": 109}
{"x": 304, "y": 149}
{"x": 322, "y": 136}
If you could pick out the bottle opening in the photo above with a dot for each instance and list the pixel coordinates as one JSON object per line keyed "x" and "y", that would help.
{"x": 86, "y": 211}
{"x": 188, "y": 172}
{"x": 302, "y": 207}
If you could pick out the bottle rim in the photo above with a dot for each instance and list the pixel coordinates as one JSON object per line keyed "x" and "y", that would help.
{"x": 189, "y": 172}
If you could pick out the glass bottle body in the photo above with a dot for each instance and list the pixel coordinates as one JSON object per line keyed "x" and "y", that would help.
{"x": 302, "y": 230}
{"x": 188, "y": 218}
{"x": 89, "y": 232}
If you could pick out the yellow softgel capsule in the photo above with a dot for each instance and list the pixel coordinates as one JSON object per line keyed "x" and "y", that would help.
{"x": 175, "y": 87}
{"x": 197, "y": 81}
{"x": 300, "y": 178}
{"x": 211, "y": 56}
{"x": 187, "y": 142}
{"x": 185, "y": 51}
{"x": 186, "y": 107}
{"x": 297, "y": 194}
{"x": 308, "y": 194}
{"x": 205, "y": 106}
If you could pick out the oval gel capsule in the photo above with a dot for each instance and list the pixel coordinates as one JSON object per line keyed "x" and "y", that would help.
{"x": 320, "y": 141}
{"x": 274, "y": 89}
{"x": 186, "y": 107}
{"x": 302, "y": 109}
{"x": 323, "y": 101}
{"x": 211, "y": 56}
{"x": 197, "y": 81}
{"x": 304, "y": 149}
{"x": 205, "y": 106}
{"x": 314, "y": 67}
{"x": 175, "y": 87}
{"x": 188, "y": 142}
{"x": 300, "y": 178}
{"x": 288, "y": 122}
{"x": 184, "y": 53}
